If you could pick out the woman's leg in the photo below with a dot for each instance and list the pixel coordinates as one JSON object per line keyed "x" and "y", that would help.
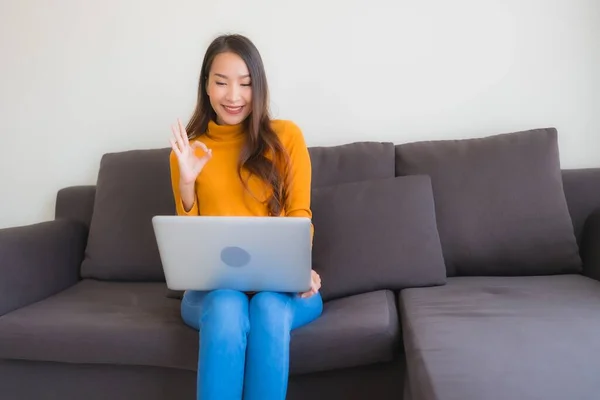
{"x": 221, "y": 316}
{"x": 272, "y": 317}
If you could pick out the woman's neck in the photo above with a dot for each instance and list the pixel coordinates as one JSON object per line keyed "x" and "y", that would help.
{"x": 225, "y": 132}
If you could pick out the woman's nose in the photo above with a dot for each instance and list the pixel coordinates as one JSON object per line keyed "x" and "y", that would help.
{"x": 233, "y": 93}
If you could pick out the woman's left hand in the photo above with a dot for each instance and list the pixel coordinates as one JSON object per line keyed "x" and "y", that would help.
{"x": 315, "y": 285}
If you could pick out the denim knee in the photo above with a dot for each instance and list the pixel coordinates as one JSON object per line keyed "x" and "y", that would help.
{"x": 271, "y": 310}
{"x": 225, "y": 313}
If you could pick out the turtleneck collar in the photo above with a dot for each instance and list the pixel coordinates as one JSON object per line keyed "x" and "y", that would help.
{"x": 225, "y": 132}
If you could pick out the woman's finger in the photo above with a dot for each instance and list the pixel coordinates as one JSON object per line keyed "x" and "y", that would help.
{"x": 313, "y": 290}
{"x": 315, "y": 285}
{"x": 199, "y": 144}
{"x": 184, "y": 135}
{"x": 317, "y": 279}
{"x": 206, "y": 157}
{"x": 178, "y": 138}
{"x": 175, "y": 147}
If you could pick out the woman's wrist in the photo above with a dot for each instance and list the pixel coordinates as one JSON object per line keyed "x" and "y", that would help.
{"x": 188, "y": 194}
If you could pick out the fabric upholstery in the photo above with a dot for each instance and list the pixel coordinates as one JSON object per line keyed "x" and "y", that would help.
{"x": 96, "y": 322}
{"x": 133, "y": 186}
{"x": 376, "y": 234}
{"x": 28, "y": 380}
{"x": 500, "y": 202}
{"x": 126, "y": 323}
{"x": 590, "y": 246}
{"x": 582, "y": 190}
{"x": 64, "y": 381}
{"x": 353, "y": 331}
{"x": 497, "y": 338}
{"x": 76, "y": 203}
{"x": 39, "y": 260}
{"x": 352, "y": 162}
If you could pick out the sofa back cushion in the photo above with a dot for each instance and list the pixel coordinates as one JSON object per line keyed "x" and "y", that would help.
{"x": 352, "y": 162}
{"x": 500, "y": 204}
{"x": 132, "y": 187}
{"x": 376, "y": 234}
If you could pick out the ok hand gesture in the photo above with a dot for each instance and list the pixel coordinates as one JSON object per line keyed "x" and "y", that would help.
{"x": 190, "y": 165}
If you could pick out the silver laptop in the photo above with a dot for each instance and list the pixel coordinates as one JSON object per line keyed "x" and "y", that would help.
{"x": 239, "y": 253}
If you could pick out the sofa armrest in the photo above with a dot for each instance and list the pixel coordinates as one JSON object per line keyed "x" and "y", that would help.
{"x": 37, "y": 261}
{"x": 590, "y": 245}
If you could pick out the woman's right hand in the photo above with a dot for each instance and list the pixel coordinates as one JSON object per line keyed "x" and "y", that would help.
{"x": 190, "y": 165}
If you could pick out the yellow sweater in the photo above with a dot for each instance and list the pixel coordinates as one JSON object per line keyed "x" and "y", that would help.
{"x": 219, "y": 191}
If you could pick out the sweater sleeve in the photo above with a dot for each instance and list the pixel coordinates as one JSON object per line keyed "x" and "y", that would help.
{"x": 299, "y": 174}
{"x": 176, "y": 195}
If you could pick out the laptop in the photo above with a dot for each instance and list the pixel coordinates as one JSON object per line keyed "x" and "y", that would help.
{"x": 248, "y": 254}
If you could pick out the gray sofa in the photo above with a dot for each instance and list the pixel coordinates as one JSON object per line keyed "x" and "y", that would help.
{"x": 452, "y": 270}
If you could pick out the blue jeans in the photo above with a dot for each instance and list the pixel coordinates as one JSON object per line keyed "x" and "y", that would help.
{"x": 245, "y": 340}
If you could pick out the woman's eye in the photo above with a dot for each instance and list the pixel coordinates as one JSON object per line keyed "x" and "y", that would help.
{"x": 246, "y": 84}
{"x": 220, "y": 83}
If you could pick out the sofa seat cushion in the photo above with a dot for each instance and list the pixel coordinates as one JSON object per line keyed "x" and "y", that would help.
{"x": 127, "y": 323}
{"x": 101, "y": 323}
{"x": 353, "y": 331}
{"x": 498, "y": 338}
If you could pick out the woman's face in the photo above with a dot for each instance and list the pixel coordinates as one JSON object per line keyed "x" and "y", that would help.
{"x": 229, "y": 89}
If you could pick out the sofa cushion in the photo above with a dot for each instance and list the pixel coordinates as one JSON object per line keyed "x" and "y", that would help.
{"x": 590, "y": 246}
{"x": 500, "y": 203}
{"x": 376, "y": 234}
{"x": 126, "y": 323}
{"x": 96, "y": 322}
{"x": 503, "y": 338}
{"x": 352, "y": 162}
{"x": 132, "y": 187}
{"x": 353, "y": 331}
{"x": 582, "y": 190}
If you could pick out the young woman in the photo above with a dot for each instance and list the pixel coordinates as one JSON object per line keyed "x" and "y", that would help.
{"x": 232, "y": 159}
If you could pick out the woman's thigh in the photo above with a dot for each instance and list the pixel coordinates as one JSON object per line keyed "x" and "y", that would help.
{"x": 304, "y": 311}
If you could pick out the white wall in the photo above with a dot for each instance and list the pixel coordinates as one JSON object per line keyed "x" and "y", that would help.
{"x": 81, "y": 78}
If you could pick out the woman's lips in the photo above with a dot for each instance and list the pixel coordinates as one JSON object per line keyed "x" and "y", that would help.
{"x": 233, "y": 110}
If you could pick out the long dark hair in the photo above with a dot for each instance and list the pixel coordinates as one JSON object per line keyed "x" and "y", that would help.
{"x": 263, "y": 155}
